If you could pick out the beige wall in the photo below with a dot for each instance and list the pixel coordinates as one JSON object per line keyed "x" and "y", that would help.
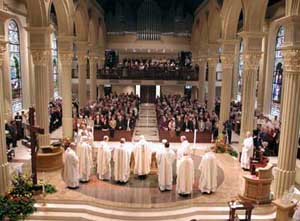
{"x": 119, "y": 89}
{"x": 176, "y": 89}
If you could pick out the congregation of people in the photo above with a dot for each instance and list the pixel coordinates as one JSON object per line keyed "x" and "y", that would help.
{"x": 113, "y": 163}
{"x": 134, "y": 68}
{"x": 181, "y": 113}
{"x": 144, "y": 63}
{"x": 109, "y": 113}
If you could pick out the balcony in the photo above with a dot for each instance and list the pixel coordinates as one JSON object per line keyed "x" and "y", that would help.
{"x": 180, "y": 74}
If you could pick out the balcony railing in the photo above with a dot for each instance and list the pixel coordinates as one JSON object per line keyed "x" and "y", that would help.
{"x": 180, "y": 74}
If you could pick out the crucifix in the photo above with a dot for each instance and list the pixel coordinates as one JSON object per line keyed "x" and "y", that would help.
{"x": 34, "y": 146}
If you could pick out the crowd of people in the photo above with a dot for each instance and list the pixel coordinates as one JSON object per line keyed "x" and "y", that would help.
{"x": 55, "y": 112}
{"x": 79, "y": 163}
{"x": 266, "y": 132}
{"x": 143, "y": 63}
{"x": 110, "y": 113}
{"x": 181, "y": 113}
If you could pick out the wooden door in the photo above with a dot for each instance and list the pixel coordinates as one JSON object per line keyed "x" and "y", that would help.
{"x": 148, "y": 94}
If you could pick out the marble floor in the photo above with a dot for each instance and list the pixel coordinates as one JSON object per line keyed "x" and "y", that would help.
{"x": 139, "y": 190}
{"x": 145, "y": 193}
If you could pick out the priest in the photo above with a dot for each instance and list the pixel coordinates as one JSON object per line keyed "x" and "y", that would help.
{"x": 121, "y": 158}
{"x": 85, "y": 159}
{"x": 71, "y": 167}
{"x": 208, "y": 172}
{"x": 142, "y": 157}
{"x": 185, "y": 175}
{"x": 165, "y": 160}
{"x": 184, "y": 147}
{"x": 247, "y": 151}
{"x": 103, "y": 160}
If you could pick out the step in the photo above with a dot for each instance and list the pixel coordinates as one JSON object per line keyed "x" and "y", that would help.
{"x": 65, "y": 211}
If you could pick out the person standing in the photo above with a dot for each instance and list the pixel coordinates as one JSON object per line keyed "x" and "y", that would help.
{"x": 184, "y": 147}
{"x": 142, "y": 157}
{"x": 185, "y": 175}
{"x": 165, "y": 161}
{"x": 228, "y": 125}
{"x": 208, "y": 172}
{"x": 85, "y": 159}
{"x": 247, "y": 151}
{"x": 103, "y": 160}
{"x": 71, "y": 168}
{"x": 121, "y": 158}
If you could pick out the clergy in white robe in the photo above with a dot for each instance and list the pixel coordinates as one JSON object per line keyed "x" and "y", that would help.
{"x": 71, "y": 168}
{"x": 121, "y": 158}
{"x": 184, "y": 147}
{"x": 185, "y": 175}
{"x": 247, "y": 151}
{"x": 142, "y": 157}
{"x": 103, "y": 160}
{"x": 208, "y": 172}
{"x": 84, "y": 150}
{"x": 165, "y": 160}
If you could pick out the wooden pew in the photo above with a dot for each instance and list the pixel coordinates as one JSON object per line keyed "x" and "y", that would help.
{"x": 99, "y": 134}
{"x": 202, "y": 137}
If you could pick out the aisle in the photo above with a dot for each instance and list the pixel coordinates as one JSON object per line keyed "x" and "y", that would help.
{"x": 147, "y": 124}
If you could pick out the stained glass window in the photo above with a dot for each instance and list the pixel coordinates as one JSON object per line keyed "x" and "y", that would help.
{"x": 241, "y": 67}
{"x": 277, "y": 73}
{"x": 54, "y": 63}
{"x": 15, "y": 65}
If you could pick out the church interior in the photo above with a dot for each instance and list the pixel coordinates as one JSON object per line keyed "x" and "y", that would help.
{"x": 150, "y": 110}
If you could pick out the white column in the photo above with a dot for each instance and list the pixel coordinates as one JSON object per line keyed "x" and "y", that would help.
{"x": 202, "y": 62}
{"x": 65, "y": 56}
{"x": 290, "y": 108}
{"x": 227, "y": 65}
{"x": 82, "y": 72}
{"x": 262, "y": 72}
{"x": 4, "y": 174}
{"x": 41, "y": 72}
{"x": 212, "y": 63}
{"x": 93, "y": 78}
{"x": 235, "y": 75}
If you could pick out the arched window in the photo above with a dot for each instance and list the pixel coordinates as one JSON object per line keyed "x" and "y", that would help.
{"x": 241, "y": 67}
{"x": 277, "y": 73}
{"x": 15, "y": 65}
{"x": 54, "y": 63}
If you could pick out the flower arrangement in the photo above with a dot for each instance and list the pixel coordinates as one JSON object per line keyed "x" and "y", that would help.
{"x": 222, "y": 147}
{"x": 19, "y": 202}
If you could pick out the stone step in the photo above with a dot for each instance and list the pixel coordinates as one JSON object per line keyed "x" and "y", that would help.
{"x": 65, "y": 211}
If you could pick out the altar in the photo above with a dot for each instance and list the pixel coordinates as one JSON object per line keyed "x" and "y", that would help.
{"x": 155, "y": 147}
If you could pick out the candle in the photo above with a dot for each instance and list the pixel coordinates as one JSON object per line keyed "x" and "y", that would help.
{"x": 195, "y": 136}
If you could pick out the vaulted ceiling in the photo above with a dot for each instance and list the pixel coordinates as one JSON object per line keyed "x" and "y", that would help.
{"x": 189, "y": 5}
